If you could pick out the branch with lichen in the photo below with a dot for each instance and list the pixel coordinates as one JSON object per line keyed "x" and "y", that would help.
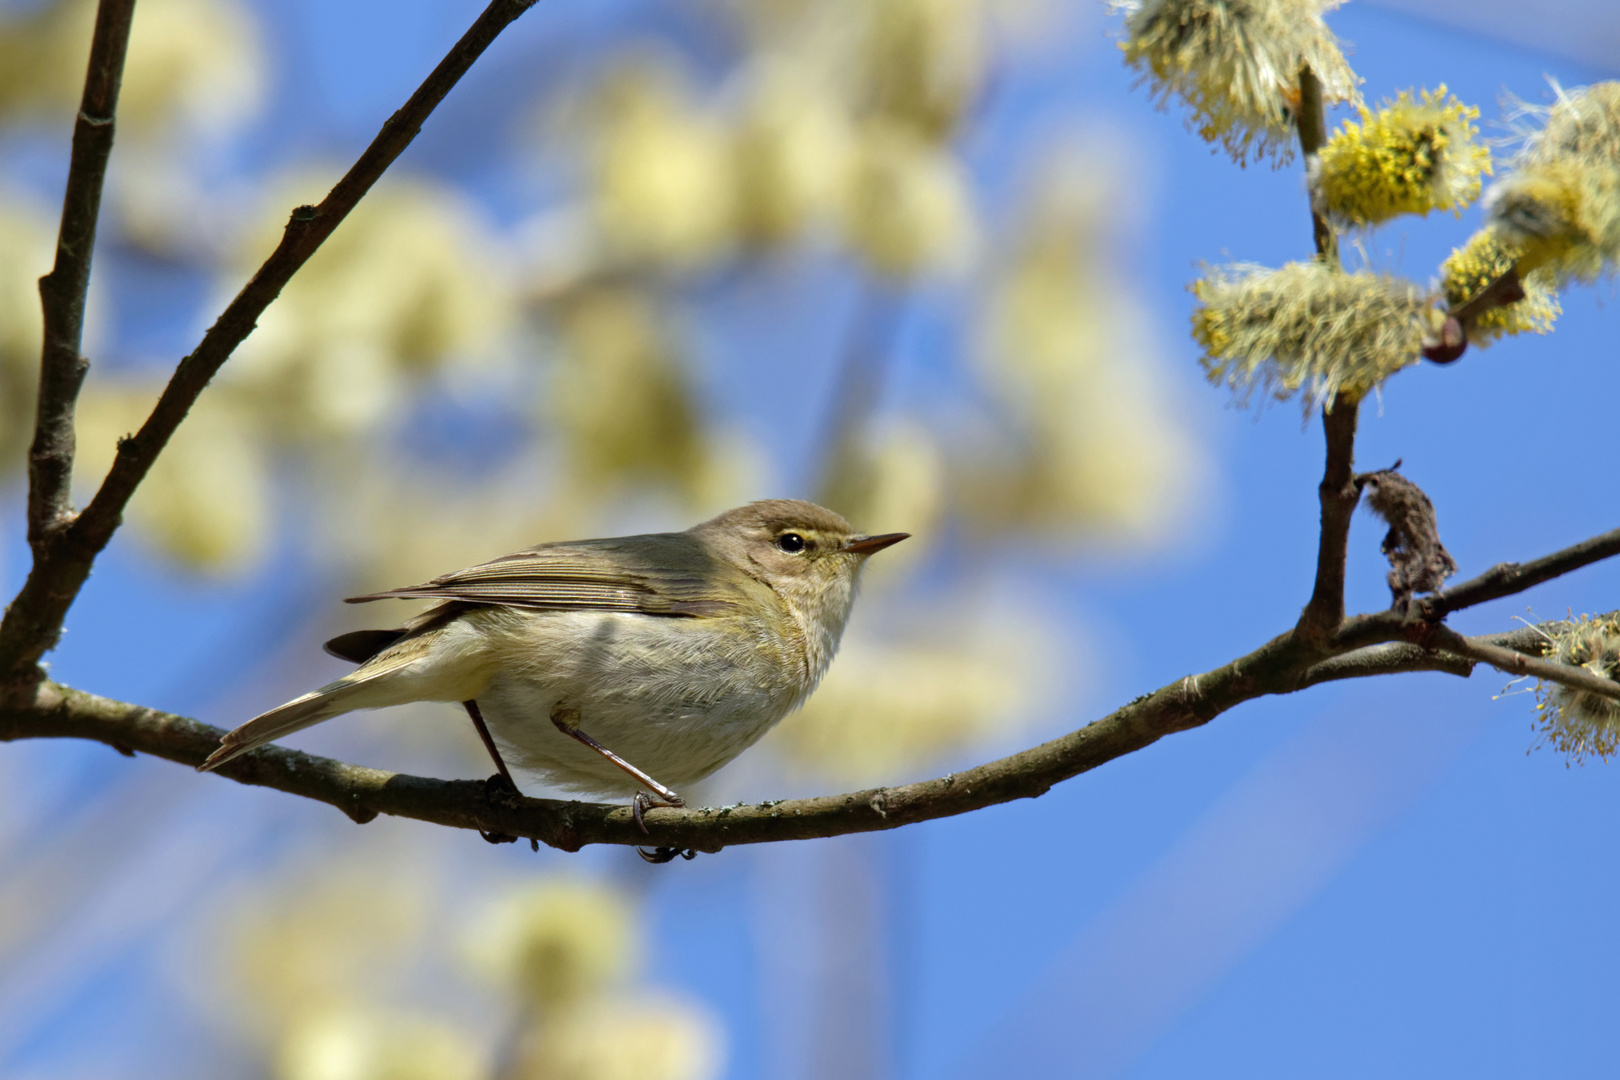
{"x": 1382, "y": 644}
{"x": 33, "y": 621}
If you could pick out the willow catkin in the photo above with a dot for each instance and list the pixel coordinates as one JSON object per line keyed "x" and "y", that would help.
{"x": 1307, "y": 328}
{"x": 1236, "y": 64}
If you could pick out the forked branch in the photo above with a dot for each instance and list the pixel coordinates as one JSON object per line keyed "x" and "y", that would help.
{"x": 33, "y": 622}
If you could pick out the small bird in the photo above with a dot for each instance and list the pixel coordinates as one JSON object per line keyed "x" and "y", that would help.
{"x": 602, "y": 664}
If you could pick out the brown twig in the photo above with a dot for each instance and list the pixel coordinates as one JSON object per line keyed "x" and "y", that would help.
{"x": 1282, "y": 665}
{"x": 1338, "y": 492}
{"x": 1517, "y": 663}
{"x": 1501, "y": 580}
{"x": 33, "y": 622}
{"x": 1452, "y": 341}
{"x": 1311, "y": 121}
{"x": 1507, "y": 579}
{"x": 1506, "y": 289}
{"x": 62, "y": 291}
{"x": 1338, "y": 495}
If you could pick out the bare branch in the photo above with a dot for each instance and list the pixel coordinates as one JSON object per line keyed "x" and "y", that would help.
{"x": 1389, "y": 658}
{"x": 1517, "y": 663}
{"x": 1338, "y": 495}
{"x": 1504, "y": 290}
{"x": 62, "y": 291}
{"x": 57, "y": 711}
{"x": 1501, "y": 580}
{"x": 33, "y": 622}
{"x": 1506, "y": 579}
{"x": 1403, "y": 657}
{"x": 1338, "y": 492}
{"x": 1280, "y": 666}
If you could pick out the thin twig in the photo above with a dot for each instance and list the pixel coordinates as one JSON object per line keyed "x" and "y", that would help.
{"x": 1311, "y": 122}
{"x": 1517, "y": 663}
{"x": 1338, "y": 492}
{"x": 33, "y": 622}
{"x": 1506, "y": 579}
{"x": 62, "y": 291}
{"x": 1501, "y": 580}
{"x": 1505, "y": 289}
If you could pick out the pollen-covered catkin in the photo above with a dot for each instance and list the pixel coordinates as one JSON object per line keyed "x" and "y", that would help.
{"x": 1584, "y": 125}
{"x": 1481, "y": 261}
{"x": 1236, "y": 64}
{"x": 1561, "y": 204}
{"x": 1410, "y": 157}
{"x": 1575, "y": 722}
{"x": 1307, "y": 327}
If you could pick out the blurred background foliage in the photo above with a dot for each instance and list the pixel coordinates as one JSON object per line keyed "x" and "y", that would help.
{"x": 460, "y": 372}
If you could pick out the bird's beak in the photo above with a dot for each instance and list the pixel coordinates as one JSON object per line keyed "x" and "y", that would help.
{"x": 866, "y": 545}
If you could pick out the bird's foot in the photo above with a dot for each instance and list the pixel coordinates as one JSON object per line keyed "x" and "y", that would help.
{"x": 665, "y": 854}
{"x": 644, "y": 802}
{"x": 502, "y": 782}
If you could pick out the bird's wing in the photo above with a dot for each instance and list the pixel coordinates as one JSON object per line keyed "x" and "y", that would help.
{"x": 659, "y": 574}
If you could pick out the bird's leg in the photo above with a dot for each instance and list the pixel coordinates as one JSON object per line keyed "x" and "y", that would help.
{"x": 567, "y": 720}
{"x": 489, "y": 744}
{"x": 500, "y": 765}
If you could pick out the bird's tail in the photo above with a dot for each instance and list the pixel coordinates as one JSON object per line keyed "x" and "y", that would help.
{"x": 367, "y": 688}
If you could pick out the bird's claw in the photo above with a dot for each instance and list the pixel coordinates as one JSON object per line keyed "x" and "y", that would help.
{"x": 643, "y": 802}
{"x": 502, "y": 784}
{"x": 665, "y": 854}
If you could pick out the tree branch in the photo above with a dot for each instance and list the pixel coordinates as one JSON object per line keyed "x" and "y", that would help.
{"x": 1517, "y": 663}
{"x": 33, "y": 622}
{"x": 62, "y": 291}
{"x": 1338, "y": 495}
{"x": 1501, "y": 580}
{"x": 1506, "y": 579}
{"x": 1338, "y": 492}
{"x": 58, "y": 711}
{"x": 1281, "y": 666}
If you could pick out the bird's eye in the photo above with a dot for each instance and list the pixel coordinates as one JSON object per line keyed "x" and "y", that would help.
{"x": 792, "y": 543}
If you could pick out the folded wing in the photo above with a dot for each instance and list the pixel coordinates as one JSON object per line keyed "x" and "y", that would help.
{"x": 659, "y": 574}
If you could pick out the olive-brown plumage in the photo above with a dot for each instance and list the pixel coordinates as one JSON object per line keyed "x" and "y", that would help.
{"x": 670, "y": 652}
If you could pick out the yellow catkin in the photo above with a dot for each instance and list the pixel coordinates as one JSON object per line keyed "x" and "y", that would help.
{"x": 1481, "y": 261}
{"x": 1579, "y": 723}
{"x": 1584, "y": 125}
{"x": 1410, "y": 157}
{"x": 1561, "y": 204}
{"x": 1236, "y": 64}
{"x": 1307, "y": 327}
